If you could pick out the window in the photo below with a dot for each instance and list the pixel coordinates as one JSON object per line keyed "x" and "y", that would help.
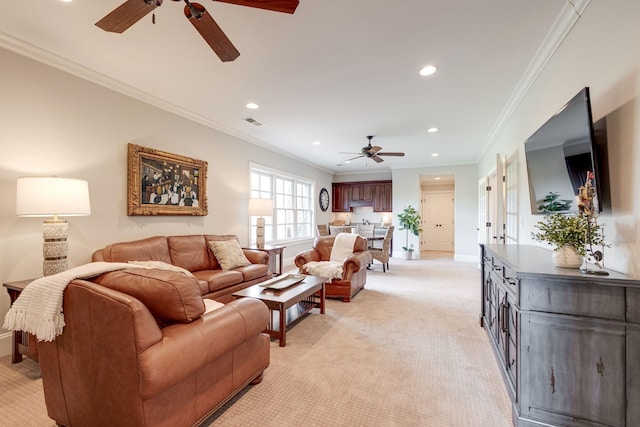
{"x": 292, "y": 197}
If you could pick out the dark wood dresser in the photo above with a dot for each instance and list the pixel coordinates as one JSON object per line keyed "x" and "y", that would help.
{"x": 568, "y": 343}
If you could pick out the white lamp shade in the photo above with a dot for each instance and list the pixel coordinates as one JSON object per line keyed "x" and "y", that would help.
{"x": 52, "y": 196}
{"x": 260, "y": 207}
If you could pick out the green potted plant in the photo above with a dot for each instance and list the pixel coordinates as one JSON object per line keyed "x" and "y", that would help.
{"x": 569, "y": 235}
{"x": 410, "y": 221}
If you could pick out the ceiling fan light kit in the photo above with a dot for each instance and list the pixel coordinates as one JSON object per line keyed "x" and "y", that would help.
{"x": 131, "y": 11}
{"x": 373, "y": 152}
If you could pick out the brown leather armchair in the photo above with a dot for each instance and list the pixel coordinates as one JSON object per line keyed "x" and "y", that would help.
{"x": 156, "y": 359}
{"x": 354, "y": 275}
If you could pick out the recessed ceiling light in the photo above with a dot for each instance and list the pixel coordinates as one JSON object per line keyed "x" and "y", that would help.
{"x": 432, "y": 130}
{"x": 435, "y": 155}
{"x": 437, "y": 178}
{"x": 316, "y": 142}
{"x": 253, "y": 106}
{"x": 428, "y": 70}
{"x": 347, "y": 161}
{"x": 66, "y": 1}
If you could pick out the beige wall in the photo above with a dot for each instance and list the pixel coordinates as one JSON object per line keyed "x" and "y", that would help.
{"x": 52, "y": 123}
{"x": 600, "y": 52}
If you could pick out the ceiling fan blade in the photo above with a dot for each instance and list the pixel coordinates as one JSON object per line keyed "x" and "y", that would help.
{"x": 211, "y": 32}
{"x": 353, "y": 158}
{"x": 377, "y": 159}
{"x": 391, "y": 154}
{"x": 285, "y": 6}
{"x": 374, "y": 149}
{"x": 127, "y": 14}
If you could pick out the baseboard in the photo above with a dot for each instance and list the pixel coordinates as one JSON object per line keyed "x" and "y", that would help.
{"x": 6, "y": 344}
{"x": 465, "y": 258}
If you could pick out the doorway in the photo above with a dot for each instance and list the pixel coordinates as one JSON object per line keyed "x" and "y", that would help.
{"x": 437, "y": 208}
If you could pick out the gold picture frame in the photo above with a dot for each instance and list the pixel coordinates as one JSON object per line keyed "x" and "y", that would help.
{"x": 161, "y": 183}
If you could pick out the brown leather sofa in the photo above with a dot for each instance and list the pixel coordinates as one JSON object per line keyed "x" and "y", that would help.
{"x": 354, "y": 273}
{"x": 194, "y": 254}
{"x": 139, "y": 349}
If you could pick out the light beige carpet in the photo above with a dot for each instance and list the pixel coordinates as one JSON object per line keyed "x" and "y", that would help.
{"x": 407, "y": 351}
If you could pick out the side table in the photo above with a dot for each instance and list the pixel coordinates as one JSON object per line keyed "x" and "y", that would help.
{"x": 20, "y": 338}
{"x": 272, "y": 250}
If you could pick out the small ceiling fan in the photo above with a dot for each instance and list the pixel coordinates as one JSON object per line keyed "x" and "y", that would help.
{"x": 373, "y": 152}
{"x": 131, "y": 11}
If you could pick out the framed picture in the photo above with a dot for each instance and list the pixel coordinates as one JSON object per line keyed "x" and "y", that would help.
{"x": 162, "y": 183}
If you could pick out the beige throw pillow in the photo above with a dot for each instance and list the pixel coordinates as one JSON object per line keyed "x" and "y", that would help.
{"x": 228, "y": 253}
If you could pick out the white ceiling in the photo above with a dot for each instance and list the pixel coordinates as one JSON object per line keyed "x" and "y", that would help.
{"x": 334, "y": 72}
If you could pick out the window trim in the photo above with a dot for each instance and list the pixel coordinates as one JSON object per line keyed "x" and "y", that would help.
{"x": 275, "y": 173}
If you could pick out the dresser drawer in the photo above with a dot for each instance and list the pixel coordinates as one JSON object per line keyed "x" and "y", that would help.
{"x": 502, "y": 274}
{"x": 574, "y": 298}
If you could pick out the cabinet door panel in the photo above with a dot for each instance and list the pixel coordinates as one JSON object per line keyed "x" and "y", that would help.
{"x": 513, "y": 318}
{"x": 341, "y": 198}
{"x": 575, "y": 371}
{"x": 633, "y": 376}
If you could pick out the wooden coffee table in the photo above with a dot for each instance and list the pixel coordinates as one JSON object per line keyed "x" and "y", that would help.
{"x": 291, "y": 303}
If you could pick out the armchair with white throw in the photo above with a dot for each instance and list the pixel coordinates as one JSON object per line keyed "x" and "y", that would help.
{"x": 342, "y": 258}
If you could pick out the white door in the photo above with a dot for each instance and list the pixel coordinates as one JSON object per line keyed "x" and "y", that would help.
{"x": 482, "y": 210}
{"x": 437, "y": 221}
{"x": 492, "y": 208}
{"x": 511, "y": 199}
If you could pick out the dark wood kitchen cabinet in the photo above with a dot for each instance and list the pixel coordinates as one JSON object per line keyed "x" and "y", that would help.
{"x": 567, "y": 343}
{"x": 341, "y": 198}
{"x": 361, "y": 193}
{"x": 382, "y": 197}
{"x": 348, "y": 195}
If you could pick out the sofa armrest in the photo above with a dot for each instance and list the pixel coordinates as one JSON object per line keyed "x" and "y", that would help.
{"x": 256, "y": 256}
{"x": 204, "y": 340}
{"x": 307, "y": 256}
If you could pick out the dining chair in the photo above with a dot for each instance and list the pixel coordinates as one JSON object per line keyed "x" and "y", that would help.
{"x": 382, "y": 254}
{"x": 323, "y": 229}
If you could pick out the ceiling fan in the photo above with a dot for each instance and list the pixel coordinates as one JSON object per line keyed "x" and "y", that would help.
{"x": 373, "y": 152}
{"x": 131, "y": 11}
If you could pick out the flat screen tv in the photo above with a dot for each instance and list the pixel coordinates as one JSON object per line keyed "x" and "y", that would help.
{"x": 560, "y": 156}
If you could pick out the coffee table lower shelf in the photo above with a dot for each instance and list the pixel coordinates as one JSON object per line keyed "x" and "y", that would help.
{"x": 289, "y": 305}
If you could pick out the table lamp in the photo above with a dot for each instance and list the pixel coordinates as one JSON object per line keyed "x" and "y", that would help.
{"x": 260, "y": 208}
{"x": 53, "y": 197}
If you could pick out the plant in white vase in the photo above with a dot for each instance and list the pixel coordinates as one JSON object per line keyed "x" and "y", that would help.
{"x": 409, "y": 220}
{"x": 569, "y": 235}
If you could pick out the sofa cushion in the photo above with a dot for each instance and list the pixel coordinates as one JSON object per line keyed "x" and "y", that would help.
{"x": 150, "y": 249}
{"x": 189, "y": 252}
{"x": 219, "y": 279}
{"x": 228, "y": 253}
{"x": 253, "y": 271}
{"x": 169, "y": 295}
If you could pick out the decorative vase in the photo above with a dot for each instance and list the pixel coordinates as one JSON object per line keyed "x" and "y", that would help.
{"x": 408, "y": 254}
{"x": 567, "y": 257}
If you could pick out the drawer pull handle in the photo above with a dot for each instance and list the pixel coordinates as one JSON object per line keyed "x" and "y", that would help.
{"x": 510, "y": 281}
{"x": 497, "y": 268}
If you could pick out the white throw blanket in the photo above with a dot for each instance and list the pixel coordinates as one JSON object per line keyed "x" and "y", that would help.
{"x": 342, "y": 249}
{"x": 38, "y": 309}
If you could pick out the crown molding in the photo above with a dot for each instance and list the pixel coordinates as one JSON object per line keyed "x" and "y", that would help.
{"x": 40, "y": 55}
{"x": 564, "y": 23}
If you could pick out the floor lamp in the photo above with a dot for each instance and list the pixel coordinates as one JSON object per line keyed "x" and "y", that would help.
{"x": 260, "y": 208}
{"x": 53, "y": 197}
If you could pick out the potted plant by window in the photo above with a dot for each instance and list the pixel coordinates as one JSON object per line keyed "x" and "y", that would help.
{"x": 568, "y": 234}
{"x": 410, "y": 221}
